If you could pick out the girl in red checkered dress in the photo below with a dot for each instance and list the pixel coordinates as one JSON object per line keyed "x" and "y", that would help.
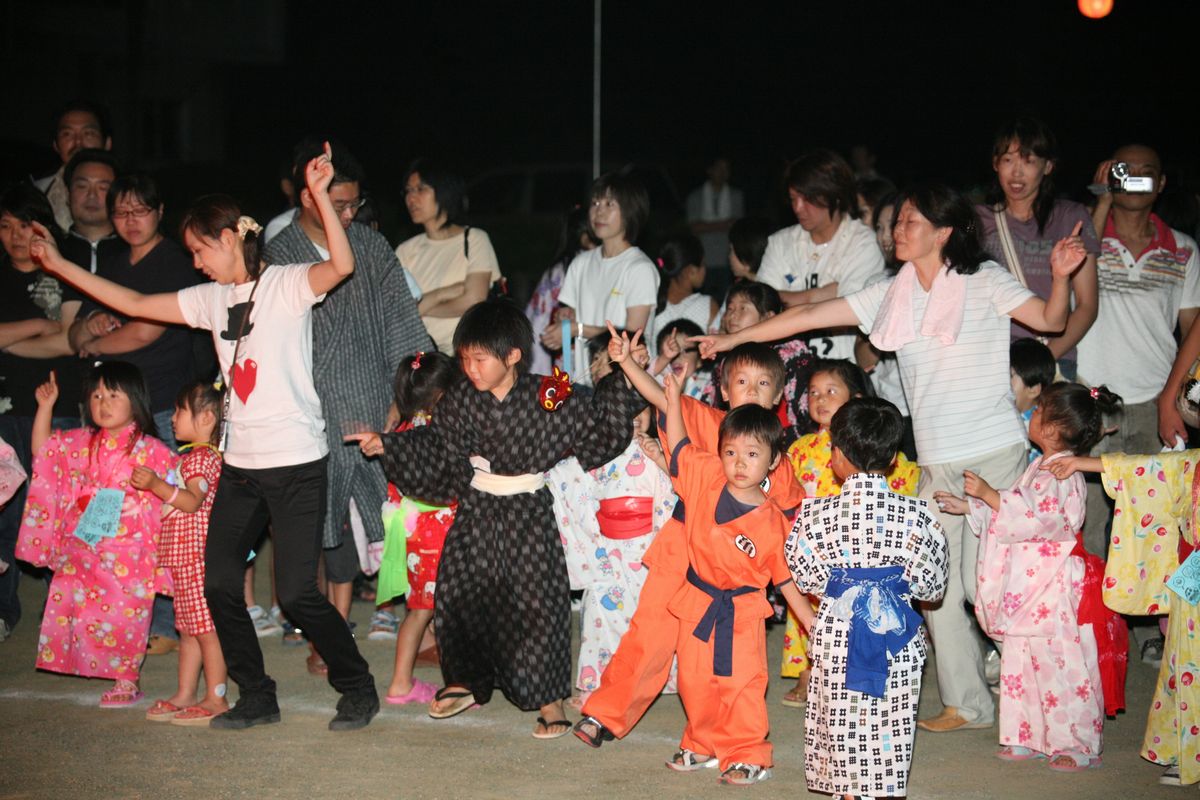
{"x": 187, "y": 494}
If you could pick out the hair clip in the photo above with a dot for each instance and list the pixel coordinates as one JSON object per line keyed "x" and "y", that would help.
{"x": 416, "y": 362}
{"x": 659, "y": 261}
{"x": 218, "y": 385}
{"x": 1094, "y": 392}
{"x": 246, "y": 224}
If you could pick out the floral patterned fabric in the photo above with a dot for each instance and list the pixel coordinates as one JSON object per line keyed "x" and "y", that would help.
{"x": 1029, "y": 586}
{"x": 97, "y": 616}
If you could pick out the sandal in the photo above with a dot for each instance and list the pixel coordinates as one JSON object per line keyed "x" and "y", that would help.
{"x": 687, "y": 761}
{"x": 162, "y": 711}
{"x": 795, "y": 698}
{"x": 598, "y": 734}
{"x": 123, "y": 693}
{"x": 464, "y": 699}
{"x": 753, "y": 774}
{"x": 421, "y": 692}
{"x": 554, "y": 728}
{"x": 1018, "y": 753}
{"x": 316, "y": 665}
{"x": 1073, "y": 762}
{"x": 193, "y": 715}
{"x": 1012, "y": 752}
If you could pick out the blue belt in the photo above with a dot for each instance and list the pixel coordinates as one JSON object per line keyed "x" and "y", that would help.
{"x": 718, "y": 620}
{"x": 881, "y": 621}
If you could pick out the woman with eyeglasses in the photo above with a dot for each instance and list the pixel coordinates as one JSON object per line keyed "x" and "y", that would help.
{"x": 453, "y": 263}
{"x": 153, "y": 264}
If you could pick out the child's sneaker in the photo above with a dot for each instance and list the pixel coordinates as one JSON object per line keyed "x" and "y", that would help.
{"x": 384, "y": 626}
{"x": 264, "y": 626}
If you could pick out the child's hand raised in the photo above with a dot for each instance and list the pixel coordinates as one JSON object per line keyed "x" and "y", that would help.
{"x": 949, "y": 504}
{"x": 620, "y": 346}
{"x": 47, "y": 393}
{"x": 319, "y": 172}
{"x": 1068, "y": 254}
{"x": 711, "y": 344}
{"x": 670, "y": 349}
{"x": 652, "y": 449}
{"x": 142, "y": 478}
{"x": 673, "y": 385}
{"x": 371, "y": 444}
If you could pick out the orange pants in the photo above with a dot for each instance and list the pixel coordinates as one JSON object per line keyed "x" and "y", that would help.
{"x": 639, "y": 669}
{"x": 727, "y": 716}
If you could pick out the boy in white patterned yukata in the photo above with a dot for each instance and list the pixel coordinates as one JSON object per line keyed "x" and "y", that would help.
{"x": 867, "y": 552}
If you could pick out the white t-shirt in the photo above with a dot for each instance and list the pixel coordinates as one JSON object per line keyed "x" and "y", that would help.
{"x": 695, "y": 307}
{"x": 1131, "y": 346}
{"x": 959, "y": 394}
{"x": 851, "y": 259}
{"x": 601, "y": 289}
{"x": 435, "y": 263}
{"x": 275, "y": 416}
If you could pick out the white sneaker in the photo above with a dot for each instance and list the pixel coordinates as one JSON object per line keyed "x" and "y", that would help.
{"x": 1170, "y": 776}
{"x": 384, "y": 626}
{"x": 264, "y": 626}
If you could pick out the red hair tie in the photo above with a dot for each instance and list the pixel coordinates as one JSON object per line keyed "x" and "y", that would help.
{"x": 659, "y": 261}
{"x": 416, "y": 362}
{"x": 1094, "y": 392}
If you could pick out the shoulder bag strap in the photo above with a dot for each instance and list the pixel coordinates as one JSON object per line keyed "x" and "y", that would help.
{"x": 1006, "y": 242}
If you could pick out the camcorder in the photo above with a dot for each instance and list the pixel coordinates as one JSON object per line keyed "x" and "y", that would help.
{"x": 1119, "y": 180}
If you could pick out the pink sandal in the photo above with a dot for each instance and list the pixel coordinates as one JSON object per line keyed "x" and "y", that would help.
{"x": 421, "y": 692}
{"x": 162, "y": 711}
{"x": 124, "y": 693}
{"x": 1078, "y": 762}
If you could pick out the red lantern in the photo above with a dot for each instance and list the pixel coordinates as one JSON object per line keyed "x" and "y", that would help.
{"x": 1095, "y": 9}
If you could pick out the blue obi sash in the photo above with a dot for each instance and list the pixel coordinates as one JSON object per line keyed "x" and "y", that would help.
{"x": 881, "y": 621}
{"x": 718, "y": 621}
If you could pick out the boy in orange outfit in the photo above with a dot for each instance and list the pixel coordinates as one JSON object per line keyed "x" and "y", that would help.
{"x": 753, "y": 374}
{"x": 734, "y": 544}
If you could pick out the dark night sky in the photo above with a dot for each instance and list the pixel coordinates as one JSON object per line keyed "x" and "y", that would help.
{"x": 487, "y": 84}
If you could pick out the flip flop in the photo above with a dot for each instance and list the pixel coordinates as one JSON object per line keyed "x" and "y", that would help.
{"x": 162, "y": 711}
{"x": 1018, "y": 753}
{"x": 123, "y": 689}
{"x": 1078, "y": 762}
{"x": 555, "y": 729}
{"x": 464, "y": 699}
{"x": 193, "y": 715}
{"x": 421, "y": 692}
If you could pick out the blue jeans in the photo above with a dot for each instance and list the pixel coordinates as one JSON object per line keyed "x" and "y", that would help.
{"x": 18, "y": 432}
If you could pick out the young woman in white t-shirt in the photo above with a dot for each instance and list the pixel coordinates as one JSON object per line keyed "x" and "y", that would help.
{"x": 946, "y": 314}
{"x": 681, "y": 266}
{"x": 274, "y": 443}
{"x": 616, "y": 282}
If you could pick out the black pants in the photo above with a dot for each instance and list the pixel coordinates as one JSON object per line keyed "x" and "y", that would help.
{"x": 293, "y": 499}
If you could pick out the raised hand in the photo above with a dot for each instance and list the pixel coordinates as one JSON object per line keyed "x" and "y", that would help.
{"x": 711, "y": 344}
{"x": 640, "y": 355}
{"x": 670, "y": 349}
{"x": 47, "y": 393}
{"x": 42, "y": 247}
{"x": 652, "y": 449}
{"x": 1068, "y": 254}
{"x": 620, "y": 346}
{"x": 318, "y": 174}
{"x": 950, "y": 504}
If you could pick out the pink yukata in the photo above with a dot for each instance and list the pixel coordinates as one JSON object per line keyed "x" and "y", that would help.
{"x": 1030, "y": 582}
{"x": 97, "y": 616}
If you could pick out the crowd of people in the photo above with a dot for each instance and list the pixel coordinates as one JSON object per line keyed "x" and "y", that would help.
{"x": 875, "y": 429}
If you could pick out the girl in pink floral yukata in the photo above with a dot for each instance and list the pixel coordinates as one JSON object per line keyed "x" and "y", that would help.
{"x": 1038, "y": 592}
{"x": 97, "y": 533}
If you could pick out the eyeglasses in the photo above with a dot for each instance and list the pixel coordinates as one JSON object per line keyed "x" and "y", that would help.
{"x": 140, "y": 212}
{"x": 350, "y": 205}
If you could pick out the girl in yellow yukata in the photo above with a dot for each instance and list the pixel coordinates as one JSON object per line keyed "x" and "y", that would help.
{"x": 831, "y": 384}
{"x": 1156, "y": 529}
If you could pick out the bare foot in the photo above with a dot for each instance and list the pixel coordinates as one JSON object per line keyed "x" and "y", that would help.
{"x": 448, "y": 699}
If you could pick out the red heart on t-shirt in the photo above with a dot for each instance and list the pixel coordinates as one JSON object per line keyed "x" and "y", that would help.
{"x": 244, "y": 377}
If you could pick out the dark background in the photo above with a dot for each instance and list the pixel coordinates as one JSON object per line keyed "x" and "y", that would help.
{"x": 211, "y": 95}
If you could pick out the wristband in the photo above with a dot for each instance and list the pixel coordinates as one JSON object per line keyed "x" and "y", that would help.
{"x": 171, "y": 500}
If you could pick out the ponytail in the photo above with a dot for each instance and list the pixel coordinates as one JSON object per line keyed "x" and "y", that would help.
{"x": 677, "y": 254}
{"x": 1078, "y": 413}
